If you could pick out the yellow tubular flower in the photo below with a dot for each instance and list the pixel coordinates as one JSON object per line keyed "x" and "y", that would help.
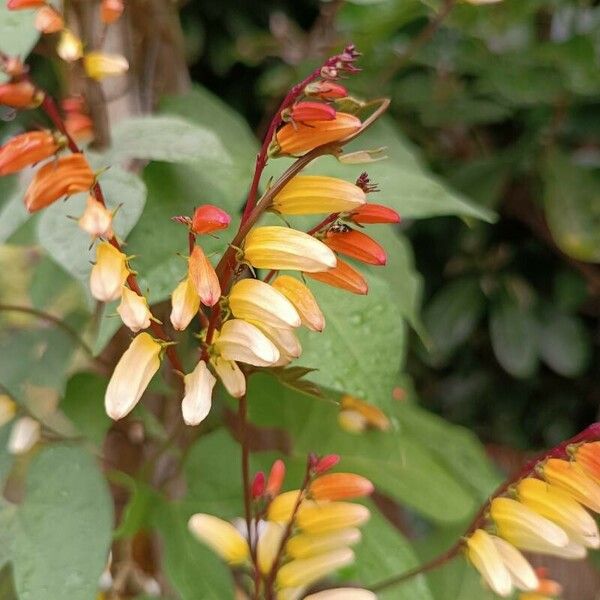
{"x": 109, "y": 273}
{"x": 275, "y": 247}
{"x": 231, "y": 376}
{"x": 285, "y": 341}
{"x": 373, "y": 415}
{"x": 8, "y": 409}
{"x": 483, "y": 554}
{"x": 587, "y": 456}
{"x": 204, "y": 278}
{"x": 558, "y": 506}
{"x": 243, "y": 342}
{"x": 268, "y": 545}
{"x": 282, "y": 506}
{"x": 521, "y": 572}
{"x": 185, "y": 304}
{"x": 343, "y": 594}
{"x": 304, "y": 545}
{"x": 99, "y": 65}
{"x": 69, "y": 46}
{"x": 571, "y": 478}
{"x": 313, "y": 195}
{"x": 526, "y": 529}
{"x": 352, "y": 421}
{"x": 134, "y": 311}
{"x": 132, "y": 375}
{"x": 303, "y": 300}
{"x": 254, "y": 300}
{"x": 305, "y": 571}
{"x": 331, "y": 516}
{"x": 221, "y": 536}
{"x": 196, "y": 403}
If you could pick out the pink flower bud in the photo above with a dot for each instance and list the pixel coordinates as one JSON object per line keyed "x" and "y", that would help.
{"x": 258, "y": 485}
{"x": 327, "y": 462}
{"x": 276, "y": 477}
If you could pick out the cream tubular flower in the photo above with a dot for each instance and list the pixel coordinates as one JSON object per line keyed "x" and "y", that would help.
{"x": 96, "y": 219}
{"x": 285, "y": 341}
{"x": 268, "y": 544}
{"x": 69, "y": 46}
{"x": 243, "y": 342}
{"x": 521, "y": 572}
{"x": 343, "y": 594}
{"x": 254, "y": 300}
{"x": 331, "y": 516}
{"x": 303, "y": 572}
{"x": 561, "y": 508}
{"x": 221, "y": 536}
{"x": 197, "y": 401}
{"x": 231, "y": 376}
{"x": 274, "y": 247}
{"x": 132, "y": 375}
{"x": 484, "y": 555}
{"x": 304, "y": 545}
{"x": 525, "y": 528}
{"x": 204, "y": 278}
{"x": 24, "y": 435}
{"x": 99, "y": 65}
{"x": 313, "y": 195}
{"x": 109, "y": 273}
{"x": 303, "y": 300}
{"x": 185, "y": 304}
{"x": 134, "y": 311}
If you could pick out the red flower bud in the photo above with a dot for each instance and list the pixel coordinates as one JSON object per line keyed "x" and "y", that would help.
{"x": 258, "y": 485}
{"x": 27, "y": 149}
{"x": 275, "y": 480}
{"x": 309, "y": 111}
{"x": 327, "y": 90}
{"x": 208, "y": 218}
{"x": 22, "y": 94}
{"x": 21, "y": 4}
{"x": 327, "y": 462}
{"x": 374, "y": 213}
{"x": 65, "y": 176}
{"x": 111, "y": 10}
{"x": 356, "y": 245}
{"x": 342, "y": 276}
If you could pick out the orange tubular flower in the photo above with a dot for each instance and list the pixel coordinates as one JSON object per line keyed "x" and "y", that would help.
{"x": 80, "y": 127}
{"x": 572, "y": 479}
{"x": 372, "y": 415}
{"x": 342, "y": 276}
{"x": 63, "y": 177}
{"x": 111, "y": 10}
{"x": 327, "y": 90}
{"x": 374, "y": 213}
{"x": 309, "y": 111}
{"x": 48, "y": 20}
{"x": 357, "y": 245}
{"x": 587, "y": 456}
{"x": 299, "y": 138}
{"x": 340, "y": 486}
{"x": 204, "y": 278}
{"x": 27, "y": 149}
{"x": 208, "y": 218}
{"x": 21, "y": 4}
{"x": 275, "y": 479}
{"x": 22, "y": 94}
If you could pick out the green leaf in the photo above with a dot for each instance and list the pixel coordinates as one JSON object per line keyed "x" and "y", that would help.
{"x": 13, "y": 212}
{"x": 572, "y": 203}
{"x": 63, "y": 528}
{"x": 83, "y": 404}
{"x": 513, "y": 335}
{"x": 192, "y": 569}
{"x": 166, "y": 138}
{"x": 17, "y": 32}
{"x": 67, "y": 244}
{"x": 396, "y": 461}
{"x": 452, "y": 315}
{"x": 347, "y": 354}
{"x": 564, "y": 343}
{"x": 384, "y": 552}
{"x": 405, "y": 184}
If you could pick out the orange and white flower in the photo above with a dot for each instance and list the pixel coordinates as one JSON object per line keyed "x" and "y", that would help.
{"x": 313, "y": 194}
{"x": 221, "y": 536}
{"x": 109, "y": 273}
{"x": 571, "y": 478}
{"x": 204, "y": 278}
{"x": 340, "y": 486}
{"x": 303, "y": 300}
{"x": 230, "y": 375}
{"x": 111, "y": 11}
{"x": 274, "y": 247}
{"x": 132, "y": 375}
{"x": 134, "y": 311}
{"x": 344, "y": 277}
{"x": 521, "y": 572}
{"x": 99, "y": 65}
{"x": 241, "y": 341}
{"x": 254, "y": 300}
{"x": 96, "y": 219}
{"x": 27, "y": 149}
{"x": 185, "y": 303}
{"x": 197, "y": 401}
{"x": 285, "y": 340}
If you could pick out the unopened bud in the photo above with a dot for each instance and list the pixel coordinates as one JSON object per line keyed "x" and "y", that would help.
{"x": 327, "y": 462}
{"x": 258, "y": 485}
{"x": 327, "y": 90}
{"x": 208, "y": 218}
{"x": 275, "y": 479}
{"x": 22, "y": 94}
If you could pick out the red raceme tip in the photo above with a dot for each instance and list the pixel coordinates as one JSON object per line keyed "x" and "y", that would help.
{"x": 368, "y": 214}
{"x": 357, "y": 245}
{"x": 258, "y": 485}
{"x": 208, "y": 218}
{"x": 309, "y": 111}
{"x": 326, "y": 462}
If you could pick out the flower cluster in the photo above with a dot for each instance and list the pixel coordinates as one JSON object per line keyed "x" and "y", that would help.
{"x": 70, "y": 48}
{"x": 546, "y": 512}
{"x": 296, "y": 538}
